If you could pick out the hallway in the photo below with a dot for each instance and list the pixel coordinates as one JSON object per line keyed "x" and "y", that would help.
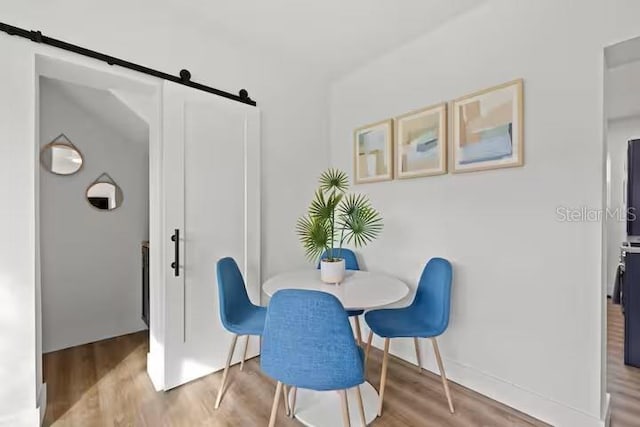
{"x": 623, "y": 382}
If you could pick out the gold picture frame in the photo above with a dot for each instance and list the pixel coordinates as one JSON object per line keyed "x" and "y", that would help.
{"x": 421, "y": 142}
{"x": 488, "y": 129}
{"x": 69, "y": 158}
{"x": 373, "y": 152}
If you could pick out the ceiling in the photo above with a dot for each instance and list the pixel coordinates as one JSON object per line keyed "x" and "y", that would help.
{"x": 622, "y": 91}
{"x": 105, "y": 107}
{"x": 622, "y": 53}
{"x": 622, "y": 80}
{"x": 333, "y": 35}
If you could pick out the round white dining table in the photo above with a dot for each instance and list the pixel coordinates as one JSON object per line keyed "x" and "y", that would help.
{"x": 360, "y": 290}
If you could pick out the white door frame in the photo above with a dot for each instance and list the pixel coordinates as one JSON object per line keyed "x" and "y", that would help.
{"x": 68, "y": 66}
{"x": 53, "y": 63}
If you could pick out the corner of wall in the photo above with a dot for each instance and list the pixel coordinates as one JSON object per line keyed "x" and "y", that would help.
{"x": 607, "y": 410}
{"x": 29, "y": 418}
{"x": 42, "y": 401}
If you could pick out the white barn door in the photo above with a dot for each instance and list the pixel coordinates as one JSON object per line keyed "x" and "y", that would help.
{"x": 211, "y": 192}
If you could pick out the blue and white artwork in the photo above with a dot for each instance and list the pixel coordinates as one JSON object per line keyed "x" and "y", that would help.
{"x": 488, "y": 129}
{"x": 421, "y": 143}
{"x": 492, "y": 144}
{"x": 373, "y": 146}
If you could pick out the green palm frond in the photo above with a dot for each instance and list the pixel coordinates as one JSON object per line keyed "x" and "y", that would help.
{"x": 352, "y": 203}
{"x": 335, "y": 218}
{"x": 322, "y": 208}
{"x": 334, "y": 179}
{"x": 363, "y": 226}
{"x": 315, "y": 236}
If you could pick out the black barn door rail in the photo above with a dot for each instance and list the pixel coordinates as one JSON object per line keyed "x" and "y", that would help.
{"x": 184, "y": 78}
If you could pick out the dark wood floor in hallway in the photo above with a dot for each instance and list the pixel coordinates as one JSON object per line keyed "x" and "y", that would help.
{"x": 105, "y": 384}
{"x": 623, "y": 382}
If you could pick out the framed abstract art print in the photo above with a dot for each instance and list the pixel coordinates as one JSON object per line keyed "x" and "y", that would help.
{"x": 421, "y": 142}
{"x": 373, "y": 152}
{"x": 488, "y": 129}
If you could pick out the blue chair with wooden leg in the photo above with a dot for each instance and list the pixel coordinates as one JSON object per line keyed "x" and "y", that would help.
{"x": 350, "y": 263}
{"x": 308, "y": 343}
{"x": 426, "y": 317}
{"x": 237, "y": 313}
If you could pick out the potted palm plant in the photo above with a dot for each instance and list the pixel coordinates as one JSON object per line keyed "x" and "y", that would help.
{"x": 333, "y": 219}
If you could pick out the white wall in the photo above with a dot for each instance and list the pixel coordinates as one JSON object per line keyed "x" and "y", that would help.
{"x": 293, "y": 101}
{"x": 526, "y": 325}
{"x": 292, "y": 97}
{"x": 619, "y": 132}
{"x": 17, "y": 252}
{"x": 91, "y": 282}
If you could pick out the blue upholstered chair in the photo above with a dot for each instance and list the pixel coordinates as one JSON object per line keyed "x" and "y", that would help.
{"x": 351, "y": 263}
{"x": 308, "y": 343}
{"x": 238, "y": 315}
{"x": 426, "y": 317}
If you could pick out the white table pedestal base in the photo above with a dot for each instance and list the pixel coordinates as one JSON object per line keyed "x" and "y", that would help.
{"x": 323, "y": 408}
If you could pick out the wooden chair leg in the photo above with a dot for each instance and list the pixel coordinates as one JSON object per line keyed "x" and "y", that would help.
{"x": 356, "y": 320}
{"x": 345, "y": 409}
{"x": 294, "y": 393}
{"x": 226, "y": 371}
{"x": 366, "y": 353}
{"x": 443, "y": 376}
{"x": 285, "y": 395}
{"x": 244, "y": 352}
{"x": 383, "y": 376}
{"x": 417, "y": 344}
{"x": 274, "y": 407}
{"x": 363, "y": 419}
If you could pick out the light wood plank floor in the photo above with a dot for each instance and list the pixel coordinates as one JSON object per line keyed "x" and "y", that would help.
{"x": 623, "y": 382}
{"x": 105, "y": 384}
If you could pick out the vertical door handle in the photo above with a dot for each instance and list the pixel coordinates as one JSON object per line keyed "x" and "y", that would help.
{"x": 176, "y": 257}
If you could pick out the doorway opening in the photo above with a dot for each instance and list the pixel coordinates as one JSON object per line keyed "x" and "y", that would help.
{"x": 97, "y": 146}
{"x": 621, "y": 269}
{"x": 211, "y": 149}
{"x": 94, "y": 218}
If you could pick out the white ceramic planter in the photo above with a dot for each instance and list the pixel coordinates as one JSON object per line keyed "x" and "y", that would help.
{"x": 332, "y": 272}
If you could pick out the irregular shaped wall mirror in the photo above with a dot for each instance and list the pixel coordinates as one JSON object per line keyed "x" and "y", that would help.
{"x": 61, "y": 157}
{"x": 104, "y": 193}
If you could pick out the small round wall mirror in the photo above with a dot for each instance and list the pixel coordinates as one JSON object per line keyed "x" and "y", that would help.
{"x": 61, "y": 157}
{"x": 104, "y": 194}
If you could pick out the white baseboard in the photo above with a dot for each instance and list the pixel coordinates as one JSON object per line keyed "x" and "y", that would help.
{"x": 42, "y": 401}
{"x": 526, "y": 401}
{"x": 28, "y": 418}
{"x": 607, "y": 410}
{"x": 93, "y": 338}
